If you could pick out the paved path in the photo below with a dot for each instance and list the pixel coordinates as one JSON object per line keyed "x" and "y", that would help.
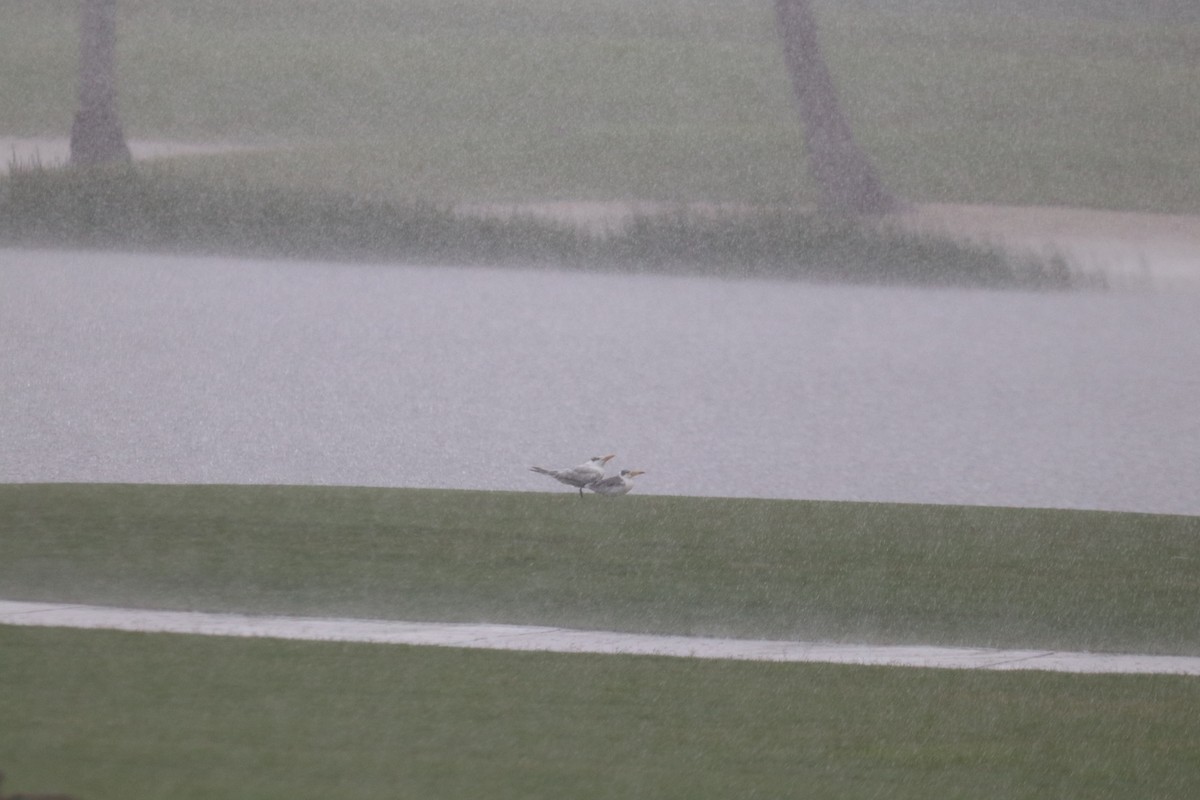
{"x": 561, "y": 640}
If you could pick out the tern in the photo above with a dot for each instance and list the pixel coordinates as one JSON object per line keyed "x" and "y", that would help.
{"x": 617, "y": 484}
{"x": 580, "y": 477}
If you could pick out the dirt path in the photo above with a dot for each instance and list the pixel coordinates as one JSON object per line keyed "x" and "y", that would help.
{"x": 561, "y": 640}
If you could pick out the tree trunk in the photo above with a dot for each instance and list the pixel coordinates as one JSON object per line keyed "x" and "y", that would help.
{"x": 96, "y": 135}
{"x": 847, "y": 183}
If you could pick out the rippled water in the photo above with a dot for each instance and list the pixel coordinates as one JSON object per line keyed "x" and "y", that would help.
{"x": 163, "y": 369}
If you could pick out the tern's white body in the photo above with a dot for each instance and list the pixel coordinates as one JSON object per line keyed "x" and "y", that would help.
{"x": 581, "y": 476}
{"x": 617, "y": 484}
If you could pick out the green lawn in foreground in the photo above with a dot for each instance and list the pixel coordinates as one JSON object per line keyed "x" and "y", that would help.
{"x": 746, "y": 568}
{"x": 130, "y": 716}
{"x": 685, "y": 100}
{"x": 115, "y": 716}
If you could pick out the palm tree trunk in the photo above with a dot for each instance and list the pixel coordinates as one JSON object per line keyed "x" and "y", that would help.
{"x": 96, "y": 135}
{"x": 847, "y": 183}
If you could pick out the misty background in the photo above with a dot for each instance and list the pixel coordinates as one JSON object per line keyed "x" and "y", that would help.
{"x": 170, "y": 367}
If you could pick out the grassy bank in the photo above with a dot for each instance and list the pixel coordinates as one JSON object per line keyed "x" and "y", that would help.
{"x": 148, "y": 209}
{"x": 368, "y": 120}
{"x": 615, "y": 99}
{"x": 749, "y": 568}
{"x": 112, "y": 716}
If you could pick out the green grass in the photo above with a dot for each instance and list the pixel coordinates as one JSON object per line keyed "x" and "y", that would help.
{"x": 122, "y": 716}
{"x": 356, "y": 109}
{"x": 611, "y": 99}
{"x": 115, "y": 716}
{"x": 749, "y": 568}
{"x": 145, "y": 208}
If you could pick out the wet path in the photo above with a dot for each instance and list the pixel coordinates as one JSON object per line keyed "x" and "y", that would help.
{"x": 562, "y": 640}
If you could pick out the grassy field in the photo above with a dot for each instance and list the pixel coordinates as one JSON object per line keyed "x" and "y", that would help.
{"x": 682, "y": 100}
{"x": 111, "y": 716}
{"x": 750, "y": 568}
{"x": 129, "y": 716}
{"x": 346, "y": 111}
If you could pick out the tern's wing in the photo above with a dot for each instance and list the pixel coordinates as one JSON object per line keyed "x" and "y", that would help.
{"x": 577, "y": 476}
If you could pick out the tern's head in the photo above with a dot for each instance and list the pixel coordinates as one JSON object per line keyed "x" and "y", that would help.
{"x": 600, "y": 461}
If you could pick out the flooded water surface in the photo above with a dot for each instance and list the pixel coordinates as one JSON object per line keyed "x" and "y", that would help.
{"x": 166, "y": 369}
